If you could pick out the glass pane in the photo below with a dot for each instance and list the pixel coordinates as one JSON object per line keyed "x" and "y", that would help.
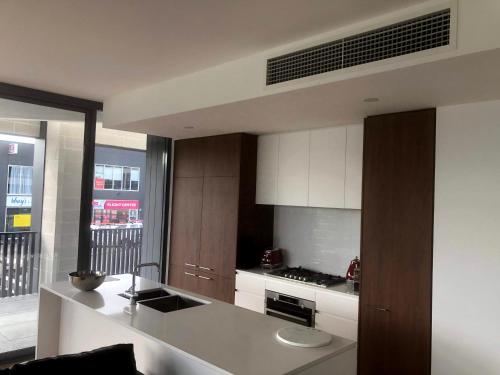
{"x": 117, "y": 178}
{"x": 33, "y": 170}
{"x": 126, "y": 178}
{"x": 118, "y": 213}
{"x": 135, "y": 178}
{"x": 108, "y": 177}
{"x": 99, "y": 177}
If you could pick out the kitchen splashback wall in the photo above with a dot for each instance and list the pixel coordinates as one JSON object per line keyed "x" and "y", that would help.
{"x": 323, "y": 239}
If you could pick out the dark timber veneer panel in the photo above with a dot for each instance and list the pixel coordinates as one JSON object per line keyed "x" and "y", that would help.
{"x": 216, "y": 225}
{"x": 396, "y": 245}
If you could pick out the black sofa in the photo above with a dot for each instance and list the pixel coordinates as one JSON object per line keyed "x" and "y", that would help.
{"x": 117, "y": 359}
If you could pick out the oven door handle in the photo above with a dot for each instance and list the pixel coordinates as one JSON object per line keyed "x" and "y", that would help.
{"x": 288, "y": 315}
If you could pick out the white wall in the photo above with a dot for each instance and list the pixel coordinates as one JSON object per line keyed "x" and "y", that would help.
{"x": 466, "y": 285}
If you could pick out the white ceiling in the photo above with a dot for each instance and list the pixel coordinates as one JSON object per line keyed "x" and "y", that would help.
{"x": 97, "y": 48}
{"x": 457, "y": 80}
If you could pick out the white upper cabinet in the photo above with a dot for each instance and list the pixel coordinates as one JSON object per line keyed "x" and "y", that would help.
{"x": 267, "y": 169}
{"x": 327, "y": 167}
{"x": 293, "y": 169}
{"x": 354, "y": 166}
{"x": 318, "y": 168}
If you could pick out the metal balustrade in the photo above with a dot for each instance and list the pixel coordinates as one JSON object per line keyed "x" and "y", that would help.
{"x": 19, "y": 263}
{"x": 115, "y": 251}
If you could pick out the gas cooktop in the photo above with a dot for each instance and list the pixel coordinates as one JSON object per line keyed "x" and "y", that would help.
{"x": 306, "y": 276}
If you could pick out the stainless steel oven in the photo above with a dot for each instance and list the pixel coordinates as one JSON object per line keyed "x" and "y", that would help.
{"x": 293, "y": 309}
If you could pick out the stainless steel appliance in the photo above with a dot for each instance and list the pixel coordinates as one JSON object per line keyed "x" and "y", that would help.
{"x": 293, "y": 309}
{"x": 306, "y": 276}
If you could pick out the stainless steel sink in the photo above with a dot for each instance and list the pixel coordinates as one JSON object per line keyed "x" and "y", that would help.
{"x": 148, "y": 294}
{"x": 171, "y": 303}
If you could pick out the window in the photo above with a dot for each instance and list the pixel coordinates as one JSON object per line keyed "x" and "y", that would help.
{"x": 126, "y": 178}
{"x": 99, "y": 177}
{"x": 117, "y": 178}
{"x": 135, "y": 176}
{"x": 20, "y": 180}
{"x": 113, "y": 177}
{"x": 108, "y": 177}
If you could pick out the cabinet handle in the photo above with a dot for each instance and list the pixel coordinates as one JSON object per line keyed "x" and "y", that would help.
{"x": 204, "y": 277}
{"x": 383, "y": 309}
{"x": 206, "y": 268}
{"x": 190, "y": 265}
{"x": 190, "y": 274}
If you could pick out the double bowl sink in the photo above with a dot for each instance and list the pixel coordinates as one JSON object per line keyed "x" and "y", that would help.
{"x": 164, "y": 301}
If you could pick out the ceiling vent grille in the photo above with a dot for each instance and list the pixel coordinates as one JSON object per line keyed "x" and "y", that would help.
{"x": 418, "y": 34}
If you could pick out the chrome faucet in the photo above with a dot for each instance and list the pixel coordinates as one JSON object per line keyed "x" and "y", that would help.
{"x": 131, "y": 293}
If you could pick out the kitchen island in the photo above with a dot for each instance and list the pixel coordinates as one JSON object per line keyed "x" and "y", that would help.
{"x": 213, "y": 338}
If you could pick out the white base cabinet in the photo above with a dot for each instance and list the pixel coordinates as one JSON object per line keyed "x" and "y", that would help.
{"x": 337, "y": 326}
{"x": 249, "y": 301}
{"x": 336, "y": 312}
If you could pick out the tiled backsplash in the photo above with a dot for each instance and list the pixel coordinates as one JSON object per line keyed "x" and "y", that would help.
{"x": 323, "y": 239}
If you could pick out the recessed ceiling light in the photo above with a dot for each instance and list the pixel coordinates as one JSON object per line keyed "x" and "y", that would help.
{"x": 371, "y": 100}
{"x": 189, "y": 127}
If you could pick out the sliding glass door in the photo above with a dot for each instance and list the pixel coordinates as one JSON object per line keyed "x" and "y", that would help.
{"x": 41, "y": 157}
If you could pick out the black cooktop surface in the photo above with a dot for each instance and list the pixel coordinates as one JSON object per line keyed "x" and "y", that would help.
{"x": 308, "y": 276}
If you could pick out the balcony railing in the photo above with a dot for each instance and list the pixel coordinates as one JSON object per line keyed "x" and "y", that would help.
{"x": 19, "y": 263}
{"x": 115, "y": 251}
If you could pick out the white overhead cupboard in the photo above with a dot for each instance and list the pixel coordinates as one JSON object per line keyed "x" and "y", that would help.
{"x": 317, "y": 168}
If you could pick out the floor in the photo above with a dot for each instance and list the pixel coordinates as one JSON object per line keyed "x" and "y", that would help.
{"x": 18, "y": 322}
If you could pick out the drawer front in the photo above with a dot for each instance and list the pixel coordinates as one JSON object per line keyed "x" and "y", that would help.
{"x": 337, "y": 326}
{"x": 290, "y": 288}
{"x": 338, "y": 305}
{"x": 249, "y": 301}
{"x": 254, "y": 284}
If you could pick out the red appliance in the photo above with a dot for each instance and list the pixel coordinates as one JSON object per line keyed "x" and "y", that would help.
{"x": 272, "y": 258}
{"x": 353, "y": 270}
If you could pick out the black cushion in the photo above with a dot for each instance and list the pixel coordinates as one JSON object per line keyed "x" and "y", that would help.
{"x": 116, "y": 359}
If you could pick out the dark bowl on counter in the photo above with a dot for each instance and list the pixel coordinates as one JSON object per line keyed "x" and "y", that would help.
{"x": 86, "y": 280}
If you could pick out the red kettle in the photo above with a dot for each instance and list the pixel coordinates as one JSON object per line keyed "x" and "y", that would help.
{"x": 353, "y": 270}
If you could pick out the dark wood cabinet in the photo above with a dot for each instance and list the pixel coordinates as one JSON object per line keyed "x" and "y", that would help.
{"x": 188, "y": 161}
{"x": 186, "y": 226}
{"x": 220, "y": 210}
{"x": 216, "y": 225}
{"x": 222, "y": 155}
{"x": 396, "y": 244}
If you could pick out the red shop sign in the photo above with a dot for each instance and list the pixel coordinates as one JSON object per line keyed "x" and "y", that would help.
{"x": 112, "y": 204}
{"x": 121, "y": 205}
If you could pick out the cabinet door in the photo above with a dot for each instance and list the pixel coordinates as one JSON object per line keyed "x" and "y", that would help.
{"x": 293, "y": 169}
{"x": 249, "y": 301}
{"x": 182, "y": 278}
{"x": 219, "y": 226}
{"x": 188, "y": 158}
{"x": 327, "y": 167}
{"x": 344, "y": 306}
{"x": 222, "y": 155}
{"x": 354, "y": 166}
{"x": 214, "y": 286}
{"x": 337, "y": 325}
{"x": 253, "y": 284}
{"x": 186, "y": 221}
{"x": 397, "y": 238}
{"x": 267, "y": 169}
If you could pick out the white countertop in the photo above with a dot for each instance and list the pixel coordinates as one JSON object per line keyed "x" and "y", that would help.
{"x": 229, "y": 337}
{"x": 343, "y": 288}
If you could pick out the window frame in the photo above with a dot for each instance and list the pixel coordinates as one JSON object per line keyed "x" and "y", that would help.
{"x": 113, "y": 166}
{"x": 9, "y": 166}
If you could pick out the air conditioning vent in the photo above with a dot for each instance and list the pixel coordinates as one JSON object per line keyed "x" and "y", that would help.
{"x": 403, "y": 38}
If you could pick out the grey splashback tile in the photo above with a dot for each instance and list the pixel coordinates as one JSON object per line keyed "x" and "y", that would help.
{"x": 323, "y": 239}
